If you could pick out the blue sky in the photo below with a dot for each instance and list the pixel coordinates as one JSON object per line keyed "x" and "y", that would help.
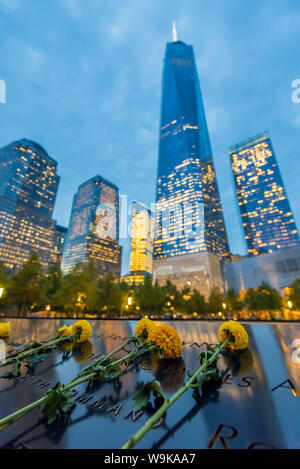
{"x": 83, "y": 79}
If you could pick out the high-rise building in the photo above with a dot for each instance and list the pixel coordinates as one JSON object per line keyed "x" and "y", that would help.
{"x": 141, "y": 255}
{"x": 28, "y": 187}
{"x": 279, "y": 269}
{"x": 93, "y": 234}
{"x": 60, "y": 235}
{"x": 189, "y": 218}
{"x": 267, "y": 218}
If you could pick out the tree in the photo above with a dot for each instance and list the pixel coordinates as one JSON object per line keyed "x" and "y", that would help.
{"x": 233, "y": 301}
{"x": 252, "y": 300}
{"x": 27, "y": 286}
{"x": 215, "y": 300}
{"x": 150, "y": 298}
{"x": 111, "y": 296}
{"x": 196, "y": 304}
{"x": 294, "y": 295}
{"x": 264, "y": 298}
{"x": 4, "y": 282}
{"x": 77, "y": 290}
{"x": 173, "y": 297}
{"x": 53, "y": 283}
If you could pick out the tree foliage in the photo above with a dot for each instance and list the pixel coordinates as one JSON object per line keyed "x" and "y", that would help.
{"x": 84, "y": 290}
{"x": 264, "y": 298}
{"x": 27, "y": 287}
{"x": 294, "y": 295}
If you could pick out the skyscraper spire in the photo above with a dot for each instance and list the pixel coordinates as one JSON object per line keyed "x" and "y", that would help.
{"x": 175, "y": 37}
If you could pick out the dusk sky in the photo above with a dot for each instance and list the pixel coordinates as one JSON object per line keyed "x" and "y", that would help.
{"x": 83, "y": 80}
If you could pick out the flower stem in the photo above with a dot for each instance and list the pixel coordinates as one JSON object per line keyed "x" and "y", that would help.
{"x": 33, "y": 350}
{"x": 169, "y": 402}
{"x": 79, "y": 379}
{"x": 102, "y": 359}
{"x": 4, "y": 423}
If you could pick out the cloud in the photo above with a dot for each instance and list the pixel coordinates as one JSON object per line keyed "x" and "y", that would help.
{"x": 84, "y": 80}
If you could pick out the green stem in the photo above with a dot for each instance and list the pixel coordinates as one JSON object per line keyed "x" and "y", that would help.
{"x": 33, "y": 350}
{"x": 169, "y": 402}
{"x": 4, "y": 423}
{"x": 102, "y": 359}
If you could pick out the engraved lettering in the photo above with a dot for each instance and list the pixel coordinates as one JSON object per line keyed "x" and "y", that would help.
{"x": 260, "y": 445}
{"x": 227, "y": 378}
{"x": 158, "y": 423}
{"x": 135, "y": 415}
{"x": 115, "y": 410}
{"x": 84, "y": 398}
{"x": 247, "y": 383}
{"x": 287, "y": 384}
{"x": 223, "y": 438}
{"x": 100, "y": 404}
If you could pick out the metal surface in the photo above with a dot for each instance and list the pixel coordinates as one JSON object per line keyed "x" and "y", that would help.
{"x": 258, "y": 404}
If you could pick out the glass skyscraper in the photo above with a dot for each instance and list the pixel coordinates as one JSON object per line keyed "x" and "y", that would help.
{"x": 93, "y": 234}
{"x": 141, "y": 257}
{"x": 267, "y": 218}
{"x": 28, "y": 187}
{"x": 189, "y": 217}
{"x": 60, "y": 235}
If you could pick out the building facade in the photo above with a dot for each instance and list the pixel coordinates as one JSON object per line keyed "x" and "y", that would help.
{"x": 141, "y": 254}
{"x": 189, "y": 216}
{"x": 278, "y": 268}
{"x": 197, "y": 272}
{"x": 267, "y": 218}
{"x": 28, "y": 188}
{"x": 93, "y": 234}
{"x": 60, "y": 235}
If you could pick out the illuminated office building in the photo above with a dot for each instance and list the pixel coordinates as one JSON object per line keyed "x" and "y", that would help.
{"x": 279, "y": 269}
{"x": 189, "y": 218}
{"x": 141, "y": 256}
{"x": 60, "y": 234}
{"x": 28, "y": 187}
{"x": 93, "y": 234}
{"x": 266, "y": 214}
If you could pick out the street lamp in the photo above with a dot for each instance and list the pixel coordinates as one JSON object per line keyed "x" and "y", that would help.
{"x": 224, "y": 306}
{"x": 289, "y": 304}
{"x": 1, "y": 291}
{"x": 129, "y": 301}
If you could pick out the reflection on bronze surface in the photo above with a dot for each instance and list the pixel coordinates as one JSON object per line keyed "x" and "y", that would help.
{"x": 100, "y": 414}
{"x": 151, "y": 361}
{"x": 82, "y": 352}
{"x": 239, "y": 362}
{"x": 209, "y": 393}
{"x": 285, "y": 335}
{"x": 171, "y": 374}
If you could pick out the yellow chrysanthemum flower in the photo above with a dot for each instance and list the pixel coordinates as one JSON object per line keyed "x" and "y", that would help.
{"x": 4, "y": 329}
{"x": 236, "y": 333}
{"x": 144, "y": 327}
{"x": 167, "y": 340}
{"x": 64, "y": 331}
{"x": 85, "y": 329}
